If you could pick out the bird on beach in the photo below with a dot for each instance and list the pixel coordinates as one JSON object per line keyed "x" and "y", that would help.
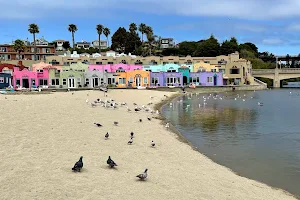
{"x": 111, "y": 163}
{"x": 140, "y": 120}
{"x": 128, "y": 109}
{"x": 116, "y": 123}
{"x": 143, "y": 176}
{"x": 97, "y": 124}
{"x": 134, "y": 104}
{"x": 131, "y": 134}
{"x": 167, "y": 125}
{"x": 78, "y": 165}
{"x": 130, "y": 141}
{"x": 153, "y": 143}
{"x": 149, "y": 118}
{"x": 106, "y": 136}
{"x": 136, "y": 109}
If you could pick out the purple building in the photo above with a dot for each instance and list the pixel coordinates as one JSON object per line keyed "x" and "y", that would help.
{"x": 206, "y": 78}
{"x": 166, "y": 79}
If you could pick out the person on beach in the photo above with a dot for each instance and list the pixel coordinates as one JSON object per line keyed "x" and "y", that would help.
{"x": 182, "y": 88}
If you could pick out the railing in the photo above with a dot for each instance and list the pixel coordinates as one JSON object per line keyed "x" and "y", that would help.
{"x": 272, "y": 71}
{"x": 260, "y": 82}
{"x": 263, "y": 71}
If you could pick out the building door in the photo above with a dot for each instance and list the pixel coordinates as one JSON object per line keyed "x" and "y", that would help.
{"x": 109, "y": 81}
{"x": 185, "y": 80}
{"x": 215, "y": 79}
{"x": 95, "y": 82}
{"x": 25, "y": 83}
{"x": 138, "y": 81}
{"x": 71, "y": 82}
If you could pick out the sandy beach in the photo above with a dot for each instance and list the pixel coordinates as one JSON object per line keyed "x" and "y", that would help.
{"x": 42, "y": 136}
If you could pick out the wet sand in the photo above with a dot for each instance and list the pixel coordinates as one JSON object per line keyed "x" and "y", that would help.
{"x": 42, "y": 136}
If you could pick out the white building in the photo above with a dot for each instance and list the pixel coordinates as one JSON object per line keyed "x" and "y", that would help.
{"x": 59, "y": 45}
{"x": 103, "y": 44}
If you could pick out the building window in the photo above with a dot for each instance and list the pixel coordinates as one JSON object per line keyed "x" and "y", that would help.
{"x": 145, "y": 80}
{"x": 1, "y": 79}
{"x": 43, "y": 82}
{"x": 194, "y": 80}
{"x": 222, "y": 71}
{"x": 64, "y": 81}
{"x": 124, "y": 62}
{"x": 213, "y": 70}
{"x": 54, "y": 81}
{"x": 78, "y": 81}
{"x": 6, "y": 80}
{"x": 209, "y": 79}
{"x": 110, "y": 63}
{"x": 171, "y": 70}
{"x": 87, "y": 81}
{"x": 154, "y": 80}
{"x": 122, "y": 80}
{"x": 18, "y": 82}
{"x": 234, "y": 71}
{"x": 98, "y": 63}
{"x": 39, "y": 70}
{"x": 164, "y": 63}
{"x": 130, "y": 80}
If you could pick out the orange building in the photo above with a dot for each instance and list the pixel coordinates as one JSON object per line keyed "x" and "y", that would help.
{"x": 134, "y": 78}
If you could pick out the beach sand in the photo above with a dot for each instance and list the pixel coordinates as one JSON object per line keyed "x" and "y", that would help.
{"x": 42, "y": 136}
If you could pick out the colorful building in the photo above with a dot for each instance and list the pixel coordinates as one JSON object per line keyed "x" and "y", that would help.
{"x": 115, "y": 67}
{"x": 166, "y": 79}
{"x": 162, "y": 68}
{"x": 5, "y": 80}
{"x": 42, "y": 65}
{"x": 136, "y": 78}
{"x": 29, "y": 79}
{"x": 206, "y": 78}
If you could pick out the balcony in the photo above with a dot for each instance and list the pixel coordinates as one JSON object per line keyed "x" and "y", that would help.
{"x": 40, "y": 74}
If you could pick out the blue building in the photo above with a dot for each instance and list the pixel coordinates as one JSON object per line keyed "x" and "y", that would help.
{"x": 5, "y": 80}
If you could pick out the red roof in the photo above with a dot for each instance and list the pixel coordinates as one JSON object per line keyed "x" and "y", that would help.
{"x": 11, "y": 66}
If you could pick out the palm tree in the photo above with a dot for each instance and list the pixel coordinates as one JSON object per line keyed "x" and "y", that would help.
{"x": 34, "y": 29}
{"x": 132, "y": 28}
{"x": 148, "y": 30}
{"x": 106, "y": 32}
{"x": 19, "y": 46}
{"x": 142, "y": 29}
{"x": 73, "y": 28}
{"x": 99, "y": 29}
{"x": 151, "y": 41}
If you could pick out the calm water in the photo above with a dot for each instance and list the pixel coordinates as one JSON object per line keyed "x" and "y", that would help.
{"x": 259, "y": 142}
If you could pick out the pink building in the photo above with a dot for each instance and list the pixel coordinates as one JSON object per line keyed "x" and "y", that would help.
{"x": 40, "y": 66}
{"x": 115, "y": 67}
{"x": 30, "y": 79}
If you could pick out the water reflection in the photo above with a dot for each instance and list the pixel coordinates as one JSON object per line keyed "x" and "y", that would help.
{"x": 233, "y": 130}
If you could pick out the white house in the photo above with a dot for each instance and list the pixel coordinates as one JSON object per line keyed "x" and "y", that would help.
{"x": 59, "y": 45}
{"x": 103, "y": 44}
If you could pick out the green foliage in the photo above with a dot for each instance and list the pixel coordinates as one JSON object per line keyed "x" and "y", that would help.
{"x": 208, "y": 48}
{"x": 229, "y": 46}
{"x": 66, "y": 45}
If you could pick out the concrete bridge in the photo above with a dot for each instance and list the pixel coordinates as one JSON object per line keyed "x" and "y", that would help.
{"x": 277, "y": 74}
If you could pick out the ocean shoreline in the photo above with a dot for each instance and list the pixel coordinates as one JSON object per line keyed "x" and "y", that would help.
{"x": 181, "y": 138}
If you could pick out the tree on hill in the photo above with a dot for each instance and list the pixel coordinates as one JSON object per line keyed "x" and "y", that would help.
{"x": 229, "y": 46}
{"x": 208, "y": 48}
{"x": 119, "y": 40}
{"x": 73, "y": 28}
{"x": 66, "y": 45}
{"x": 34, "y": 29}
{"x": 99, "y": 29}
{"x": 19, "y": 46}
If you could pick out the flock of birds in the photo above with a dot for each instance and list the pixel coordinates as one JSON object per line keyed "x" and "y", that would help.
{"x": 208, "y": 97}
{"x": 111, "y": 103}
